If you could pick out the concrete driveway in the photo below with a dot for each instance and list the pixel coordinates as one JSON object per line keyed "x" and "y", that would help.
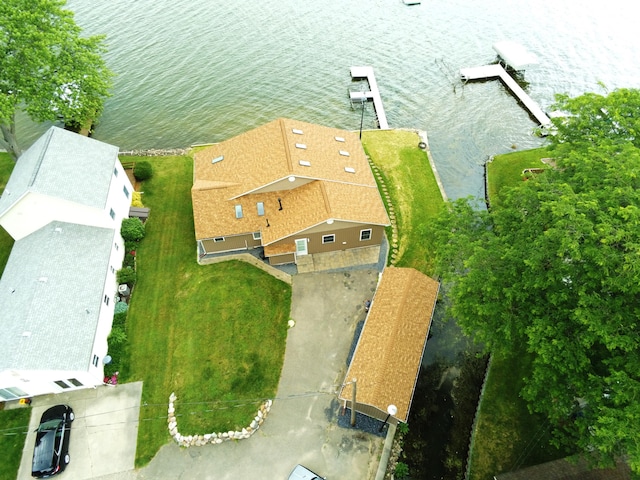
{"x": 302, "y": 426}
{"x": 103, "y": 434}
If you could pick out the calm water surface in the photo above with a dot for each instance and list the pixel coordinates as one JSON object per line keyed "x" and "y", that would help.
{"x": 192, "y": 71}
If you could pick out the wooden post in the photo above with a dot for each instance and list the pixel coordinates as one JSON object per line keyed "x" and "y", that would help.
{"x": 353, "y": 403}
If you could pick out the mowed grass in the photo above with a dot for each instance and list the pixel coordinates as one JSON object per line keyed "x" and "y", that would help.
{"x": 215, "y": 334}
{"x": 15, "y": 424}
{"x": 6, "y": 242}
{"x": 507, "y": 436}
{"x": 506, "y": 170}
{"x": 413, "y": 190}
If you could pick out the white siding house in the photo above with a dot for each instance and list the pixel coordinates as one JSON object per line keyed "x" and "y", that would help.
{"x": 57, "y": 292}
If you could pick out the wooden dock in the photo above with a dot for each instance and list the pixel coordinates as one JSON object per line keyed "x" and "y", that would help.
{"x": 373, "y": 93}
{"x": 493, "y": 71}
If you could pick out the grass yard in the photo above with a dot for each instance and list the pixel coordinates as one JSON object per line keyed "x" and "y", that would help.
{"x": 413, "y": 190}
{"x": 506, "y": 170}
{"x": 215, "y": 335}
{"x": 6, "y": 242}
{"x": 15, "y": 424}
{"x": 507, "y": 436}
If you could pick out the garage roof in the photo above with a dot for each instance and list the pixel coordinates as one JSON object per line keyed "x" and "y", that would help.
{"x": 388, "y": 355}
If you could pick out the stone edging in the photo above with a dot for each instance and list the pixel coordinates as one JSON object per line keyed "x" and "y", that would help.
{"x": 213, "y": 438}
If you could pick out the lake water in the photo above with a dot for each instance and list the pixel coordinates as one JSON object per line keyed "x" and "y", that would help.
{"x": 197, "y": 71}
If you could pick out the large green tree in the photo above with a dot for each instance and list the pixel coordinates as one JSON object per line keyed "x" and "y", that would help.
{"x": 556, "y": 268}
{"x": 46, "y": 67}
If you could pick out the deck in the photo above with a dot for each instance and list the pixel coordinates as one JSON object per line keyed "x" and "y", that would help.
{"x": 493, "y": 71}
{"x": 373, "y": 93}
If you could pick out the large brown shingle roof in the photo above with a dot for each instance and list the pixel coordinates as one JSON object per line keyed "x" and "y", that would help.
{"x": 257, "y": 167}
{"x": 387, "y": 359}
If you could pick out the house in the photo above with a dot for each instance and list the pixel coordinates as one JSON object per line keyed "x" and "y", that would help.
{"x": 387, "y": 358}
{"x": 289, "y": 187}
{"x": 63, "y": 205}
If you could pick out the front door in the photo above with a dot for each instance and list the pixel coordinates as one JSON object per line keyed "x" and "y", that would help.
{"x": 301, "y": 246}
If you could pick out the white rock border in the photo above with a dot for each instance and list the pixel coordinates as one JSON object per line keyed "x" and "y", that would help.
{"x": 213, "y": 438}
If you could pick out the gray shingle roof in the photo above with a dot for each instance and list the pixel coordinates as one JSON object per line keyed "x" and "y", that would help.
{"x": 65, "y": 165}
{"x": 50, "y": 295}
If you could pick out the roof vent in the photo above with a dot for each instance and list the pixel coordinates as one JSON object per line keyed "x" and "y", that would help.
{"x": 297, "y": 131}
{"x": 344, "y": 153}
{"x": 301, "y": 145}
{"x": 305, "y": 163}
{"x": 349, "y": 169}
{"x": 43, "y": 279}
{"x": 57, "y": 229}
{"x": 218, "y": 159}
{"x": 339, "y": 139}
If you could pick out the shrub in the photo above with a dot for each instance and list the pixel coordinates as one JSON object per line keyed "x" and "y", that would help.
{"x": 121, "y": 307}
{"x": 142, "y": 171}
{"x": 119, "y": 320}
{"x": 132, "y": 229}
{"x": 129, "y": 260}
{"x": 126, "y": 275}
{"x": 136, "y": 199}
{"x": 402, "y": 470}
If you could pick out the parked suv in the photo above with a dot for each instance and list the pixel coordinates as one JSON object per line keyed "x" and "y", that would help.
{"x": 303, "y": 473}
{"x": 51, "y": 452}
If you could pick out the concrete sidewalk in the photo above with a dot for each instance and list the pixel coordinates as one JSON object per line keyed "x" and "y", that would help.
{"x": 302, "y": 425}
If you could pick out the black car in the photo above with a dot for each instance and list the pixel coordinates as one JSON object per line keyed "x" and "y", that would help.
{"x": 51, "y": 453}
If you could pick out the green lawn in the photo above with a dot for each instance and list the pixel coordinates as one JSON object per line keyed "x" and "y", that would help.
{"x": 507, "y": 436}
{"x": 6, "y": 242}
{"x": 15, "y": 424}
{"x": 214, "y": 334}
{"x": 506, "y": 170}
{"x": 413, "y": 189}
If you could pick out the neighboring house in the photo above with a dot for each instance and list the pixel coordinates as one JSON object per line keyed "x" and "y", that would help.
{"x": 63, "y": 205}
{"x": 291, "y": 187}
{"x": 388, "y": 355}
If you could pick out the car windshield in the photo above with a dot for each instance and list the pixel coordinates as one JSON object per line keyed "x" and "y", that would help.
{"x": 50, "y": 425}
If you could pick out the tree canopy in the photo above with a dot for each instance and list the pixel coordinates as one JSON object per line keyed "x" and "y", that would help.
{"x": 556, "y": 268}
{"x": 47, "y": 68}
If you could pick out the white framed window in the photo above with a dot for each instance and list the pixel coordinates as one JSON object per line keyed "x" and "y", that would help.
{"x": 331, "y": 238}
{"x": 61, "y": 384}
{"x": 365, "y": 235}
{"x": 238, "y": 211}
{"x": 126, "y": 191}
{"x": 257, "y": 236}
{"x": 218, "y": 239}
{"x": 95, "y": 360}
{"x": 106, "y": 299}
{"x": 260, "y": 207}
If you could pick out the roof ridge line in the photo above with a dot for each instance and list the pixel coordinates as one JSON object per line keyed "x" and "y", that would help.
{"x": 41, "y": 157}
{"x": 286, "y": 145}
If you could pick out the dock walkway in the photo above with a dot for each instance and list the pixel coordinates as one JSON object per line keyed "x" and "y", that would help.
{"x": 373, "y": 93}
{"x": 492, "y": 71}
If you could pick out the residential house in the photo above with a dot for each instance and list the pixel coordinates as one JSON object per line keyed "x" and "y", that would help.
{"x": 290, "y": 187}
{"x": 63, "y": 205}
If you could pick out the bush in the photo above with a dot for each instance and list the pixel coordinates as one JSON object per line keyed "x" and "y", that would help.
{"x": 126, "y": 275}
{"x": 142, "y": 171}
{"x": 402, "y": 470}
{"x": 136, "y": 199}
{"x": 129, "y": 260}
{"x": 119, "y": 320}
{"x": 121, "y": 307}
{"x": 132, "y": 230}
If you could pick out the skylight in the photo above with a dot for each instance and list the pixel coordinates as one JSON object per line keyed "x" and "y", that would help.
{"x": 305, "y": 163}
{"x": 349, "y": 169}
{"x": 297, "y": 131}
{"x": 344, "y": 153}
{"x": 218, "y": 159}
{"x": 340, "y": 139}
{"x": 301, "y": 145}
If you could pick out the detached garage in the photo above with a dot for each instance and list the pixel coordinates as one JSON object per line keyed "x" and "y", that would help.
{"x": 387, "y": 358}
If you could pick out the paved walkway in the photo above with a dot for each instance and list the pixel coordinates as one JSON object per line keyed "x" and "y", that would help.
{"x": 302, "y": 426}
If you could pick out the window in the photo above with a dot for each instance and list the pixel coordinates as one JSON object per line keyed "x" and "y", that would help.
{"x": 115, "y": 172}
{"x": 95, "y": 360}
{"x": 126, "y": 191}
{"x": 218, "y": 239}
{"x": 328, "y": 238}
{"x": 112, "y": 214}
{"x": 106, "y": 299}
{"x": 349, "y": 169}
{"x": 116, "y": 245}
{"x": 218, "y": 159}
{"x": 339, "y": 139}
{"x": 344, "y": 153}
{"x": 365, "y": 235}
{"x": 238, "y": 211}
{"x": 260, "y": 207}
{"x": 75, "y": 382}
{"x": 113, "y": 270}
{"x": 257, "y": 236}
{"x": 305, "y": 163}
{"x": 10, "y": 393}
{"x": 61, "y": 384}
{"x": 301, "y": 145}
{"x": 297, "y": 131}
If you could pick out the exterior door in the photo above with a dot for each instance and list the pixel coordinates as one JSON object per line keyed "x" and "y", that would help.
{"x": 301, "y": 246}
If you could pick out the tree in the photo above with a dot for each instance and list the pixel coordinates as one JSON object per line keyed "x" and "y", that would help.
{"x": 556, "y": 268}
{"x": 46, "y": 68}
